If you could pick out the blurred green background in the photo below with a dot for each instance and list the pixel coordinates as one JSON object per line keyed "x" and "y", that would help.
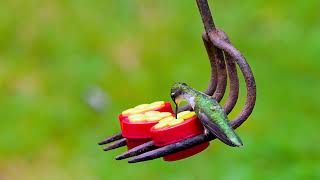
{"x": 67, "y": 68}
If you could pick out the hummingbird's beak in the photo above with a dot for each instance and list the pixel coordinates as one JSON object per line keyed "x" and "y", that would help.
{"x": 176, "y": 99}
{"x": 173, "y": 97}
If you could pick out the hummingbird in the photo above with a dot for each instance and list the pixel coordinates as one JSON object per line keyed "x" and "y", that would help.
{"x": 209, "y": 112}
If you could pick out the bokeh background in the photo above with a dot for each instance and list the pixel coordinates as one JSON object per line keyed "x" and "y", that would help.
{"x": 67, "y": 68}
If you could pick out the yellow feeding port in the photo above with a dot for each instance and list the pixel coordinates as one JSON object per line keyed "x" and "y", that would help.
{"x": 152, "y": 113}
{"x": 137, "y": 118}
{"x": 165, "y": 114}
{"x": 155, "y": 106}
{"x": 154, "y": 118}
{"x": 161, "y": 125}
{"x": 166, "y": 120}
{"x": 138, "y": 111}
{"x": 158, "y": 103}
{"x": 187, "y": 115}
{"x": 128, "y": 111}
{"x": 182, "y": 113}
{"x": 175, "y": 122}
{"x": 142, "y": 106}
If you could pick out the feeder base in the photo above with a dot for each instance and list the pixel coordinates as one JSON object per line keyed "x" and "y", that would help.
{"x": 186, "y": 153}
{"x": 131, "y": 143}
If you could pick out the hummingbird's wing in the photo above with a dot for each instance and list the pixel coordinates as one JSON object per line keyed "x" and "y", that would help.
{"x": 214, "y": 129}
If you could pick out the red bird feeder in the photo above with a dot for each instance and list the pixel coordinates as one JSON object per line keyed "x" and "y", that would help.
{"x": 170, "y": 130}
{"x": 137, "y": 122}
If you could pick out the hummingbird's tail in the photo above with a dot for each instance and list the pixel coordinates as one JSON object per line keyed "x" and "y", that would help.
{"x": 230, "y": 138}
{"x": 235, "y": 139}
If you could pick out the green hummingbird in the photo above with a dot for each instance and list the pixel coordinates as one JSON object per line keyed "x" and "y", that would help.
{"x": 209, "y": 112}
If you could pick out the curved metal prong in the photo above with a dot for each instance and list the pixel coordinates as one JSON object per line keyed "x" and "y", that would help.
{"x": 111, "y": 139}
{"x": 212, "y": 86}
{"x": 247, "y": 73}
{"x": 222, "y": 76}
{"x": 215, "y": 37}
{"x": 148, "y": 146}
{"x": 233, "y": 84}
{"x": 211, "y": 51}
{"x": 233, "y": 77}
{"x": 120, "y": 143}
{"x": 215, "y": 62}
{"x": 219, "y": 71}
{"x": 172, "y": 148}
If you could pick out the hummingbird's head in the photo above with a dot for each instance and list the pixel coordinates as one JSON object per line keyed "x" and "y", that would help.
{"x": 177, "y": 92}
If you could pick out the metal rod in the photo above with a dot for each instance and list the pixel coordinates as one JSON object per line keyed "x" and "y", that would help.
{"x": 220, "y": 68}
{"x": 247, "y": 73}
{"x": 206, "y": 15}
{"x": 120, "y": 143}
{"x": 222, "y": 76}
{"x": 111, "y": 139}
{"x": 172, "y": 148}
{"x": 211, "y": 51}
{"x": 220, "y": 43}
{"x": 137, "y": 150}
{"x": 233, "y": 77}
{"x": 233, "y": 84}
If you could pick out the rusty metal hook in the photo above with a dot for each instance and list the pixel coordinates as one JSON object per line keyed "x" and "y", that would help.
{"x": 223, "y": 58}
